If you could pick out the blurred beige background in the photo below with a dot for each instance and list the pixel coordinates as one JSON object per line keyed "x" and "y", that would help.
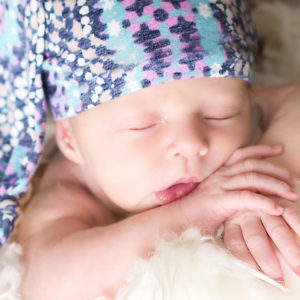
{"x": 278, "y": 26}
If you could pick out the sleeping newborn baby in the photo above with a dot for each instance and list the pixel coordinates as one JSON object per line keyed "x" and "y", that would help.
{"x": 194, "y": 266}
{"x": 155, "y": 130}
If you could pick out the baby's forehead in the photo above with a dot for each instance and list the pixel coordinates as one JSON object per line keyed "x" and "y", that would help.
{"x": 214, "y": 88}
{"x": 205, "y": 93}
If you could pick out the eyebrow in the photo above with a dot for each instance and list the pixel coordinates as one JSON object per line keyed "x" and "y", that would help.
{"x": 136, "y": 115}
{"x": 227, "y": 102}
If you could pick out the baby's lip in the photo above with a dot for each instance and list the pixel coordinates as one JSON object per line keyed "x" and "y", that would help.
{"x": 179, "y": 189}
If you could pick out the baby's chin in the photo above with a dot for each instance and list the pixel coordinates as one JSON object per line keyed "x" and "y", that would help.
{"x": 145, "y": 204}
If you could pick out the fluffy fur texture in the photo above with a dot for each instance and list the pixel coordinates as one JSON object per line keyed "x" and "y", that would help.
{"x": 189, "y": 267}
{"x": 192, "y": 266}
{"x": 11, "y": 271}
{"x": 195, "y": 267}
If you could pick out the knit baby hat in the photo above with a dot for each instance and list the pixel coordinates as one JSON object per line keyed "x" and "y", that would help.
{"x": 97, "y": 51}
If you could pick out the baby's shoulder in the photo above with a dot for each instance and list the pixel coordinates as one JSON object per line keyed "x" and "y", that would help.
{"x": 56, "y": 204}
{"x": 274, "y": 100}
{"x": 65, "y": 199}
{"x": 60, "y": 201}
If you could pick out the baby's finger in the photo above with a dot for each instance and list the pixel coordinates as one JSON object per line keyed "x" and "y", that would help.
{"x": 261, "y": 249}
{"x": 291, "y": 215}
{"x": 263, "y": 167}
{"x": 257, "y": 182}
{"x": 284, "y": 239}
{"x": 229, "y": 203}
{"x": 256, "y": 151}
{"x": 235, "y": 243}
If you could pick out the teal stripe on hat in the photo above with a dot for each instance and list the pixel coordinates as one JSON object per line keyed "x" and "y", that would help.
{"x": 121, "y": 42}
{"x": 210, "y": 34}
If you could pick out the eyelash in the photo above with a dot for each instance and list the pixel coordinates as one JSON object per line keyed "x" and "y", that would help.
{"x": 206, "y": 118}
{"x": 219, "y": 118}
{"x": 142, "y": 128}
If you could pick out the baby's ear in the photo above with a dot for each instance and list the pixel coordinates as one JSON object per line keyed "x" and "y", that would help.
{"x": 66, "y": 141}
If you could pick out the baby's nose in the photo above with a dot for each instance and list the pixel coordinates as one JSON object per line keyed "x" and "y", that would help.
{"x": 189, "y": 143}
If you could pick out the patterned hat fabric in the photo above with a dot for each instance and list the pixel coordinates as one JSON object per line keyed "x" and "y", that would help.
{"x": 75, "y": 55}
{"x": 99, "y": 50}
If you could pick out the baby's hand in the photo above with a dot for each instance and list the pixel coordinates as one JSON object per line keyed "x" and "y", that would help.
{"x": 244, "y": 183}
{"x": 249, "y": 234}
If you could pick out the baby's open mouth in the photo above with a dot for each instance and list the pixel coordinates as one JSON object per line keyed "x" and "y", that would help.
{"x": 175, "y": 192}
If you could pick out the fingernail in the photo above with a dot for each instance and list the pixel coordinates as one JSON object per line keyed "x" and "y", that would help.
{"x": 277, "y": 147}
{"x": 294, "y": 181}
{"x": 293, "y": 194}
{"x": 279, "y": 209}
{"x": 293, "y": 191}
{"x": 280, "y": 280}
{"x": 297, "y": 270}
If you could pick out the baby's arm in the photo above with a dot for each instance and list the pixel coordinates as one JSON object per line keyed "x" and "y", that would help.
{"x": 247, "y": 235}
{"x": 75, "y": 249}
{"x": 284, "y": 126}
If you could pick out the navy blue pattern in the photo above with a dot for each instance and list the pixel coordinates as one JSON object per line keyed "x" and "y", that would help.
{"x": 23, "y": 115}
{"x": 175, "y": 3}
{"x": 185, "y": 30}
{"x": 139, "y": 6}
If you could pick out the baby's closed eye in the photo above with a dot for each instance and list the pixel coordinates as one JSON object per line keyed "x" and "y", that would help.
{"x": 144, "y": 126}
{"x": 220, "y": 117}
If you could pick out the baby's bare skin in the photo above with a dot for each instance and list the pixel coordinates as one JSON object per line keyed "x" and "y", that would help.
{"x": 68, "y": 231}
{"x": 252, "y": 243}
{"x": 283, "y": 124}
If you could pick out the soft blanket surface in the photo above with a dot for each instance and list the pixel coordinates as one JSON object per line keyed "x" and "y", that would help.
{"x": 195, "y": 267}
{"x": 11, "y": 271}
{"x": 188, "y": 267}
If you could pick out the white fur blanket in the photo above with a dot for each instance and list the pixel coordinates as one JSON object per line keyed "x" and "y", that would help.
{"x": 11, "y": 271}
{"x": 188, "y": 267}
{"x": 195, "y": 267}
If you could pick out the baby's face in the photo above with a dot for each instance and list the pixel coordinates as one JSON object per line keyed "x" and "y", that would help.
{"x": 150, "y": 147}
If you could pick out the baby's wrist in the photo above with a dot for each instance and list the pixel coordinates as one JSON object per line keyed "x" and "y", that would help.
{"x": 184, "y": 214}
